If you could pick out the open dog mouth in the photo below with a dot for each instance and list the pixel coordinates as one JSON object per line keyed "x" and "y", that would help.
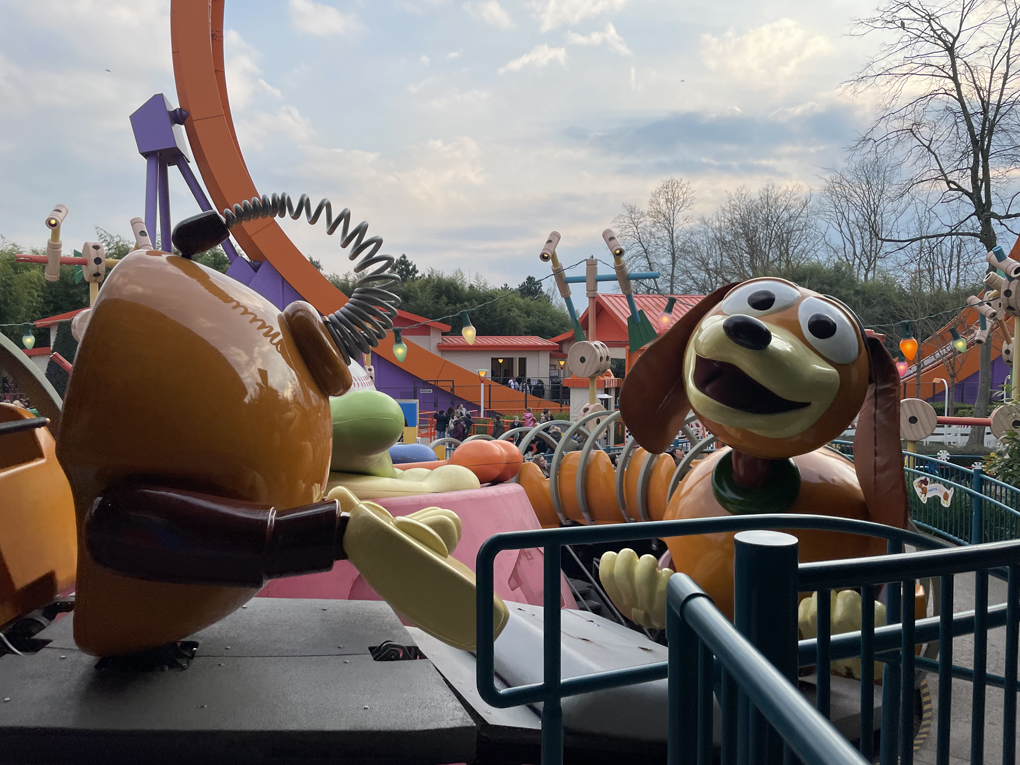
{"x": 731, "y": 387}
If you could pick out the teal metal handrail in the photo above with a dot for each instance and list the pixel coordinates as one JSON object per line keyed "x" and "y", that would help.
{"x": 981, "y": 508}
{"x": 553, "y": 688}
{"x": 697, "y": 632}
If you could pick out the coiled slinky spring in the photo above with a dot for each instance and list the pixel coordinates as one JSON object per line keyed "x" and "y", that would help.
{"x": 369, "y": 313}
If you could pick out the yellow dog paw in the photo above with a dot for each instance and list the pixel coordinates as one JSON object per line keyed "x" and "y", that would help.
{"x": 636, "y": 586}
{"x": 407, "y": 561}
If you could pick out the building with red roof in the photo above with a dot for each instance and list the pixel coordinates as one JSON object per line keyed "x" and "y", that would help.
{"x": 505, "y": 357}
{"x": 612, "y": 313}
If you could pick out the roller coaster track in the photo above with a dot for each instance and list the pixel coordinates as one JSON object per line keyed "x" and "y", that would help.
{"x": 196, "y": 34}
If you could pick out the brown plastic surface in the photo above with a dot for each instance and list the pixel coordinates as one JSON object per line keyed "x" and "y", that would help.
{"x": 877, "y": 454}
{"x": 38, "y": 547}
{"x": 185, "y": 379}
{"x": 828, "y": 486}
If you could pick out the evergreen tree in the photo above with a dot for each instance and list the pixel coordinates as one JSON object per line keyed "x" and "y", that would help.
{"x": 66, "y": 346}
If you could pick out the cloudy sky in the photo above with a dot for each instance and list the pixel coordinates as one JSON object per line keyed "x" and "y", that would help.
{"x": 463, "y": 132}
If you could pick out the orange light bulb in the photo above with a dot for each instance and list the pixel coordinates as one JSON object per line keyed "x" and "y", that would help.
{"x": 908, "y": 346}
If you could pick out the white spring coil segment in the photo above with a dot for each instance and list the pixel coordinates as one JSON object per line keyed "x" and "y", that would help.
{"x": 369, "y": 313}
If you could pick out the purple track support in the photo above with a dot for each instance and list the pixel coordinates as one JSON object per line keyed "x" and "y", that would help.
{"x": 151, "y": 173}
{"x": 196, "y": 188}
{"x": 164, "y": 208}
{"x": 203, "y": 202}
{"x": 241, "y": 271}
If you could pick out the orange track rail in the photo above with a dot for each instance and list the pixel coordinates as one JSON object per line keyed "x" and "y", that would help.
{"x": 196, "y": 34}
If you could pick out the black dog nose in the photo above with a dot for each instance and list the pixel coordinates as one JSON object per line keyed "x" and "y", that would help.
{"x": 748, "y": 332}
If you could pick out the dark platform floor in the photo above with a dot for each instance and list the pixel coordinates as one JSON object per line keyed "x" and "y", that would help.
{"x": 278, "y": 681}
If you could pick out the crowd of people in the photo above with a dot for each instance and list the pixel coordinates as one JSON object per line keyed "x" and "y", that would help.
{"x": 455, "y": 423}
{"x": 526, "y": 385}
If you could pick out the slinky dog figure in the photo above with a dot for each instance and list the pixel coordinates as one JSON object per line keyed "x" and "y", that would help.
{"x": 776, "y": 372}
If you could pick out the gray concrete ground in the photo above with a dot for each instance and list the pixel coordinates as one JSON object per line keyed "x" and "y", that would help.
{"x": 963, "y": 655}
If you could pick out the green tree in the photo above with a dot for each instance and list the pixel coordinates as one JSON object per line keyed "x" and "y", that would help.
{"x": 531, "y": 288}
{"x": 116, "y": 246}
{"x": 405, "y": 269}
{"x": 21, "y": 290}
{"x": 66, "y": 346}
{"x": 216, "y": 259}
{"x": 436, "y": 295}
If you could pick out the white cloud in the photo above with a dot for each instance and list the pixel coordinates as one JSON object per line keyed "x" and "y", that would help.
{"x": 418, "y": 87}
{"x": 255, "y": 131}
{"x": 766, "y": 56}
{"x": 609, "y": 36}
{"x": 492, "y": 13}
{"x": 540, "y": 56}
{"x": 796, "y": 112}
{"x": 424, "y": 60}
{"x": 134, "y": 25}
{"x": 554, "y": 13}
{"x": 461, "y": 98}
{"x": 453, "y": 54}
{"x": 243, "y": 72}
{"x": 321, "y": 20}
{"x": 432, "y": 176}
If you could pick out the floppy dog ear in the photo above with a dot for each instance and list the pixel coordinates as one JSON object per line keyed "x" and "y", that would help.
{"x": 653, "y": 401}
{"x": 878, "y": 457}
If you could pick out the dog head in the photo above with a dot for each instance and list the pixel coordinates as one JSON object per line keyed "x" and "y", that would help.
{"x": 772, "y": 369}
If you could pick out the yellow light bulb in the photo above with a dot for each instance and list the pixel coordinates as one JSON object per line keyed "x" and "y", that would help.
{"x": 399, "y": 347}
{"x": 959, "y": 344}
{"x": 469, "y": 332}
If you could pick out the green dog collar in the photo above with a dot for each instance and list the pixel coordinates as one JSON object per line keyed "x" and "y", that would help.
{"x": 777, "y": 495}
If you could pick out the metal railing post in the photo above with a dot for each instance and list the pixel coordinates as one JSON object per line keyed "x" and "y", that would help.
{"x": 977, "y": 521}
{"x": 552, "y": 707}
{"x": 765, "y": 611}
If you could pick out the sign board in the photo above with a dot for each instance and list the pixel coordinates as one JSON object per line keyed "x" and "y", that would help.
{"x": 924, "y": 487}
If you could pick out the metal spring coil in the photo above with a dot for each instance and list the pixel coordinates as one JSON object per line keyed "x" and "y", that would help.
{"x": 369, "y": 313}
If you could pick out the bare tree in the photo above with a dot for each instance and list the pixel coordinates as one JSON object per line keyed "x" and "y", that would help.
{"x": 754, "y": 235}
{"x": 948, "y": 83}
{"x": 655, "y": 237}
{"x": 940, "y": 264}
{"x": 861, "y": 206}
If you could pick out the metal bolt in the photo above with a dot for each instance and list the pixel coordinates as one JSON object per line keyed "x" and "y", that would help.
{"x": 228, "y": 647}
{"x": 62, "y": 656}
{"x": 219, "y": 664}
{"x": 365, "y": 707}
{"x": 7, "y": 699}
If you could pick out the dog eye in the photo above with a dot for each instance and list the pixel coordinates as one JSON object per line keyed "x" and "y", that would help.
{"x": 759, "y": 297}
{"x": 828, "y": 330}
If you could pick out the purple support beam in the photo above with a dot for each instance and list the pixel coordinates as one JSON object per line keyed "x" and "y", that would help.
{"x": 203, "y": 202}
{"x": 164, "y": 208}
{"x": 151, "y": 174}
{"x": 196, "y": 189}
